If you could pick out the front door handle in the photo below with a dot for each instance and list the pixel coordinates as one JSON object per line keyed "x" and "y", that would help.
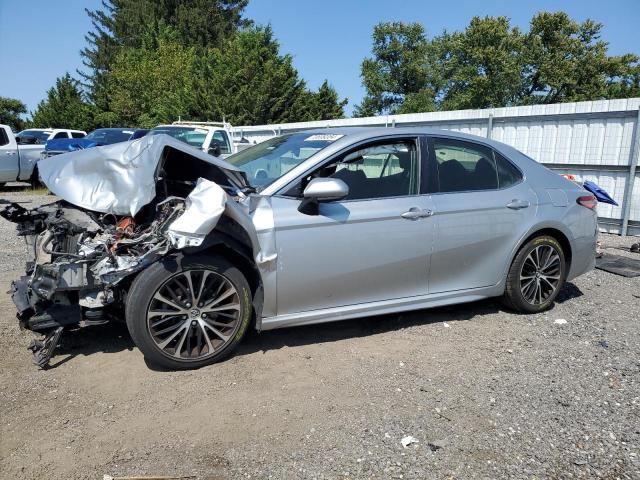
{"x": 414, "y": 213}
{"x": 516, "y": 204}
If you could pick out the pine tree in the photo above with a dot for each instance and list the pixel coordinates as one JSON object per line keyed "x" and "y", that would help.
{"x": 64, "y": 107}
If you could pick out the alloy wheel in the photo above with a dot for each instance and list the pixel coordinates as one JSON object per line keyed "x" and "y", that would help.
{"x": 193, "y": 314}
{"x": 540, "y": 274}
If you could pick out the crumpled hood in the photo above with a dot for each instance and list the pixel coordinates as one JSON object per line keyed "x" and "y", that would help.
{"x": 69, "y": 144}
{"x": 121, "y": 178}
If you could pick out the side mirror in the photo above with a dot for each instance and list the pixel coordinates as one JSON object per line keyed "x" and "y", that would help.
{"x": 214, "y": 149}
{"x": 322, "y": 190}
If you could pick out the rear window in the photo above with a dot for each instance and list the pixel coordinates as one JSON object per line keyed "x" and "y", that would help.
{"x": 33, "y": 136}
{"x": 189, "y": 135}
{"x": 107, "y": 136}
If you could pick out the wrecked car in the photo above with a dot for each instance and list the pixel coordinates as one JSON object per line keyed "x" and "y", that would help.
{"x": 192, "y": 251}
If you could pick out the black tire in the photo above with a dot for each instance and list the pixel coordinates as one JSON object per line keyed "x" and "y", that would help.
{"x": 154, "y": 279}
{"x": 518, "y": 292}
{"x": 34, "y": 180}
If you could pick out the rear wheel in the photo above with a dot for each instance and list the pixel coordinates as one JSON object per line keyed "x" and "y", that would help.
{"x": 188, "y": 312}
{"x": 536, "y": 275}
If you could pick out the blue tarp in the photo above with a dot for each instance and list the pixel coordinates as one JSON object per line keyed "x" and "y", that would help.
{"x": 70, "y": 144}
{"x": 601, "y": 195}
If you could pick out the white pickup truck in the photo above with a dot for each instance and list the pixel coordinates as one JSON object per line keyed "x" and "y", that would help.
{"x": 19, "y": 153}
{"x": 210, "y": 137}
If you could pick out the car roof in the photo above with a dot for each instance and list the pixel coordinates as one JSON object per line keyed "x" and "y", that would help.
{"x": 185, "y": 125}
{"x": 352, "y": 134}
{"x": 119, "y": 129}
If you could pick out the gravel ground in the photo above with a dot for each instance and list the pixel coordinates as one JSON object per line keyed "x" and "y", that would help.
{"x": 485, "y": 392}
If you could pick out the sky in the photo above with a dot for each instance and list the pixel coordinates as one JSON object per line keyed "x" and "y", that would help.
{"x": 40, "y": 40}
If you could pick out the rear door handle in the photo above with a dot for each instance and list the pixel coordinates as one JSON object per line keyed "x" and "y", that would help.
{"x": 516, "y": 204}
{"x": 414, "y": 213}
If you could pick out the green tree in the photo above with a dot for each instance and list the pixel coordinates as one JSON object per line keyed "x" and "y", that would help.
{"x": 397, "y": 68}
{"x": 11, "y": 110}
{"x": 568, "y": 62}
{"x": 491, "y": 64}
{"x": 148, "y": 86}
{"x": 123, "y": 24}
{"x": 244, "y": 81}
{"x": 64, "y": 107}
{"x": 247, "y": 81}
{"x": 326, "y": 104}
{"x": 482, "y": 67}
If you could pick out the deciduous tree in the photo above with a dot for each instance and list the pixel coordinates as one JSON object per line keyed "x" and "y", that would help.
{"x": 11, "y": 110}
{"x": 492, "y": 64}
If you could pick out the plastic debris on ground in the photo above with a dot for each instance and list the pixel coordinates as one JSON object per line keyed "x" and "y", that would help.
{"x": 408, "y": 440}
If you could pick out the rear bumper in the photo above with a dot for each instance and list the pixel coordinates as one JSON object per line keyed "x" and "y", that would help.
{"x": 583, "y": 258}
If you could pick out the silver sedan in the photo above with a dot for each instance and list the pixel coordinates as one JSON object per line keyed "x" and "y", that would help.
{"x": 310, "y": 227}
{"x": 376, "y": 221}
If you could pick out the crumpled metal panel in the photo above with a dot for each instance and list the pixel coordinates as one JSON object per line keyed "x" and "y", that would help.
{"x": 204, "y": 207}
{"x": 118, "y": 178}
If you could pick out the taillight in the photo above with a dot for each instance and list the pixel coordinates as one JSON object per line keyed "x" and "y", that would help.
{"x": 588, "y": 201}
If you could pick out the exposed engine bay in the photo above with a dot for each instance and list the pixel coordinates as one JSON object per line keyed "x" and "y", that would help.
{"x": 84, "y": 250}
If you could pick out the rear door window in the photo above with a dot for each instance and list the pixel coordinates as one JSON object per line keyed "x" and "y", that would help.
{"x": 60, "y": 135}
{"x": 464, "y": 166}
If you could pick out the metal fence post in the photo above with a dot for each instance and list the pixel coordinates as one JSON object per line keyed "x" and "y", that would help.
{"x": 489, "y": 125}
{"x": 633, "y": 162}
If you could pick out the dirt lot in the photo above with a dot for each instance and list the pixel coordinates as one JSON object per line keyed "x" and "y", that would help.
{"x": 487, "y": 394}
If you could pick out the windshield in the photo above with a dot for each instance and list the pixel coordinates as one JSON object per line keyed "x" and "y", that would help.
{"x": 39, "y": 135}
{"x": 189, "y": 135}
{"x": 269, "y": 160}
{"x": 107, "y": 136}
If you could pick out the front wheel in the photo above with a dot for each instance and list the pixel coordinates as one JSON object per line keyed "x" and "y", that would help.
{"x": 536, "y": 275}
{"x": 188, "y": 312}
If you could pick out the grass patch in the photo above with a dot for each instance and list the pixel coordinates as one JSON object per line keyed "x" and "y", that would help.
{"x": 40, "y": 190}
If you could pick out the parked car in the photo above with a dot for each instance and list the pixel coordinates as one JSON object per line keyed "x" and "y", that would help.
{"x": 304, "y": 228}
{"x": 98, "y": 137}
{"x": 213, "y": 138}
{"x": 40, "y": 136}
{"x": 19, "y": 153}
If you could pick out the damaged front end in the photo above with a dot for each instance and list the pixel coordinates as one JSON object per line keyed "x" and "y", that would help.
{"x": 124, "y": 207}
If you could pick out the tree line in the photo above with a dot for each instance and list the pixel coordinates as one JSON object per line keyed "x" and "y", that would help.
{"x": 148, "y": 62}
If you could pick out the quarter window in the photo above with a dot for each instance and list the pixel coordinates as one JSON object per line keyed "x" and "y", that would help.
{"x": 378, "y": 171}
{"x": 77, "y": 135}
{"x": 508, "y": 175}
{"x": 464, "y": 166}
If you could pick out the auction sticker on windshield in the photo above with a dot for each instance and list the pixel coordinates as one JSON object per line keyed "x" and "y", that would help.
{"x": 323, "y": 137}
